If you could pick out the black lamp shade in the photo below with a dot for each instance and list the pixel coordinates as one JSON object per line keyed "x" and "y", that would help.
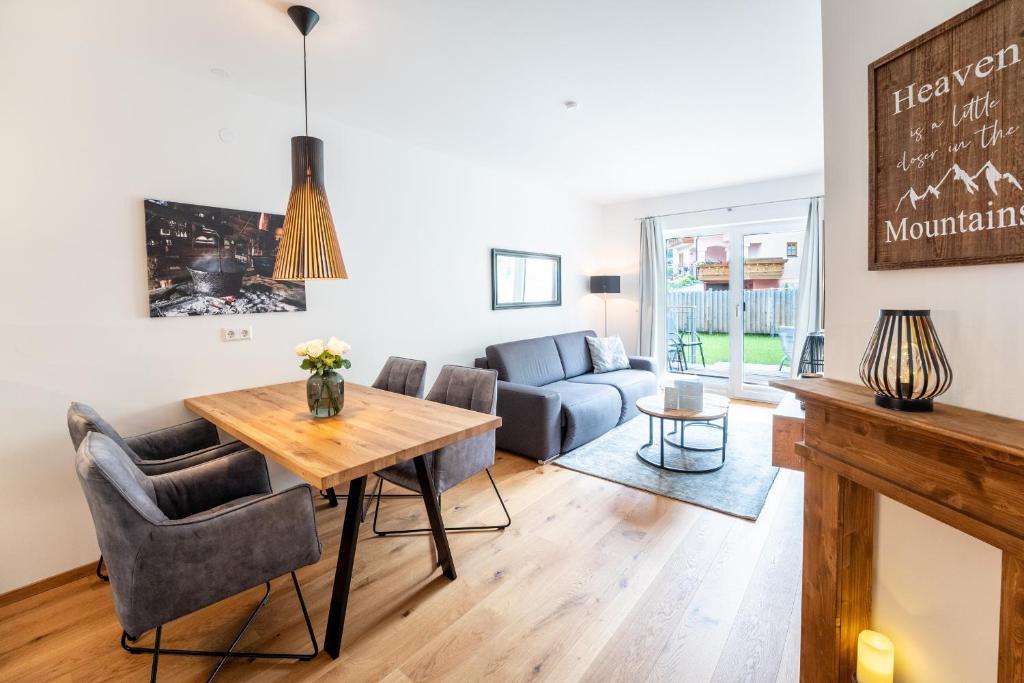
{"x": 605, "y": 284}
{"x": 904, "y": 362}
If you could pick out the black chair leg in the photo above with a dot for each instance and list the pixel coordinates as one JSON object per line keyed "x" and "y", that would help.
{"x": 156, "y": 655}
{"x": 99, "y": 571}
{"x": 156, "y": 650}
{"x": 491, "y": 527}
{"x": 700, "y": 347}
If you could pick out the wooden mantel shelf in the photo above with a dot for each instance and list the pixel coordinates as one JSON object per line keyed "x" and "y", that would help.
{"x": 962, "y": 467}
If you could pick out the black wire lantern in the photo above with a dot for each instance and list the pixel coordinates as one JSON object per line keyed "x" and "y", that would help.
{"x": 904, "y": 362}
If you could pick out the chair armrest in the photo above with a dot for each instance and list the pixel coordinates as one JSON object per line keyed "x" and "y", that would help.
{"x": 192, "y": 490}
{"x": 180, "y": 462}
{"x": 643, "y": 363}
{"x": 166, "y": 443}
{"x": 189, "y": 563}
{"x": 481, "y": 363}
{"x": 531, "y": 420}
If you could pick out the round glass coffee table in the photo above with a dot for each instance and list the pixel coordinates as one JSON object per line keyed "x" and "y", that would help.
{"x": 716, "y": 408}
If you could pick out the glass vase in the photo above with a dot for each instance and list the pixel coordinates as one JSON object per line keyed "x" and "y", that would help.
{"x": 325, "y": 394}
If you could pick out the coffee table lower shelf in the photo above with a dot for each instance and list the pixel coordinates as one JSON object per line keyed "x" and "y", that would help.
{"x": 681, "y": 422}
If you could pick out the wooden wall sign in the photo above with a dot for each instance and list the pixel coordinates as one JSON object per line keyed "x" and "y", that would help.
{"x": 946, "y": 142}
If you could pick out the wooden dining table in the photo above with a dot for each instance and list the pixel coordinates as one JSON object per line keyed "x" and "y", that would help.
{"x": 375, "y": 429}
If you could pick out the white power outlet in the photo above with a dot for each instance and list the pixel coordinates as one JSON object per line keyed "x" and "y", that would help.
{"x": 236, "y": 333}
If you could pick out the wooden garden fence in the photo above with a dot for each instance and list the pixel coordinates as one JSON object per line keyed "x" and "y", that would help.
{"x": 767, "y": 310}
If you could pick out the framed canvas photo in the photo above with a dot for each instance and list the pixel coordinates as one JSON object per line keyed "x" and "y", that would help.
{"x": 946, "y": 144}
{"x": 204, "y": 260}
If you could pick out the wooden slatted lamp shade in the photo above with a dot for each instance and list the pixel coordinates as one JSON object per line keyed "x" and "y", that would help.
{"x": 309, "y": 247}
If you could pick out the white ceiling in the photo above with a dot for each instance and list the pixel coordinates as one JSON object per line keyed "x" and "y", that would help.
{"x": 674, "y": 95}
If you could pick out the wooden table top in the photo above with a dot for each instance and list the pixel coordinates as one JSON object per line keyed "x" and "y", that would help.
{"x": 375, "y": 429}
{"x": 715, "y": 408}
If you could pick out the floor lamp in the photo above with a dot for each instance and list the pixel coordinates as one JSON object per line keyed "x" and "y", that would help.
{"x": 605, "y": 285}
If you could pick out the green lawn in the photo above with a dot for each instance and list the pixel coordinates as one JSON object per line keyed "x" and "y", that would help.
{"x": 761, "y": 349}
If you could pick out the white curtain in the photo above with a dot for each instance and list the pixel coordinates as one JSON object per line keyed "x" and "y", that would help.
{"x": 810, "y": 300}
{"x": 653, "y": 291}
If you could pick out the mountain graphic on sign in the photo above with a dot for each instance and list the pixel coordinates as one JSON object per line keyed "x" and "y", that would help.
{"x": 993, "y": 176}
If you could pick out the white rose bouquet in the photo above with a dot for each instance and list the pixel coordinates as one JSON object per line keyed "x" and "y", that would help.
{"x": 320, "y": 358}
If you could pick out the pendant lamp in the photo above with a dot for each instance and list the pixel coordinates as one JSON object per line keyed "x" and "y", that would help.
{"x": 309, "y": 248}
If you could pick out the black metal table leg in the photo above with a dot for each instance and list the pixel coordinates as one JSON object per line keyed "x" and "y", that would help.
{"x": 343, "y": 572}
{"x": 444, "y": 553}
{"x": 332, "y": 497}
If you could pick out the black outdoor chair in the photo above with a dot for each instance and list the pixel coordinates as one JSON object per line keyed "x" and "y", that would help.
{"x": 680, "y": 346}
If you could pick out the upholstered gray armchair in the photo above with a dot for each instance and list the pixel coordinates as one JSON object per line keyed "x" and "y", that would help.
{"x": 472, "y": 389}
{"x": 163, "y": 450}
{"x": 179, "y": 541}
{"x": 156, "y": 452}
{"x": 398, "y": 376}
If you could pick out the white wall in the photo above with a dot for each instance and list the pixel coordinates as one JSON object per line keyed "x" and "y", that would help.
{"x": 619, "y": 248}
{"x": 936, "y": 589}
{"x": 87, "y": 132}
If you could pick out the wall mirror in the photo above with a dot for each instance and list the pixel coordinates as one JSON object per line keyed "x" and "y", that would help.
{"x": 523, "y": 279}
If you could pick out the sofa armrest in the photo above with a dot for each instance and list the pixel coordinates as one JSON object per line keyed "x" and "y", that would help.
{"x": 531, "y": 420}
{"x": 184, "y": 438}
{"x": 643, "y": 363}
{"x": 195, "y": 489}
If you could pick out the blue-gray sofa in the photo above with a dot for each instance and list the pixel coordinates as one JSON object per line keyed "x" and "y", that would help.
{"x": 551, "y": 401}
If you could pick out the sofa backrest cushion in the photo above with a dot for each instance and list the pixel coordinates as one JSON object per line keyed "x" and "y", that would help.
{"x": 574, "y": 352}
{"x": 534, "y": 362}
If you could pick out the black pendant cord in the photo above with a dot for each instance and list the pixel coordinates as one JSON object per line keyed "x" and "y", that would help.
{"x": 305, "y": 89}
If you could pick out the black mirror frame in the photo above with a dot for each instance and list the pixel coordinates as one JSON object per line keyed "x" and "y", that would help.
{"x": 495, "y": 253}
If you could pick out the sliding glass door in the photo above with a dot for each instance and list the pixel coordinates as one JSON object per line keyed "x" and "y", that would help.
{"x": 698, "y": 306}
{"x": 731, "y": 304}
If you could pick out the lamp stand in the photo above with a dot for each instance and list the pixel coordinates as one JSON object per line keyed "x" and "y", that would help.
{"x": 605, "y": 295}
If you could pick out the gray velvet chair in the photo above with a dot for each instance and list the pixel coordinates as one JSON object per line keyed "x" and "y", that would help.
{"x": 472, "y": 389}
{"x": 399, "y": 376}
{"x": 179, "y": 541}
{"x": 164, "y": 450}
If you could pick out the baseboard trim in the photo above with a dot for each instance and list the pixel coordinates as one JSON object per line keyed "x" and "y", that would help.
{"x": 43, "y": 585}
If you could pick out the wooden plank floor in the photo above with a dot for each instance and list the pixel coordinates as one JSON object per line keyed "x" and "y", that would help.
{"x": 593, "y": 582}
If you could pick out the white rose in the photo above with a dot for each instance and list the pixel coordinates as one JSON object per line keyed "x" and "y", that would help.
{"x": 314, "y": 348}
{"x": 345, "y": 348}
{"x": 300, "y": 350}
{"x": 336, "y": 346}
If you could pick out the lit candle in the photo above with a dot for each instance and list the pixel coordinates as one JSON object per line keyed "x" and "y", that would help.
{"x": 875, "y": 658}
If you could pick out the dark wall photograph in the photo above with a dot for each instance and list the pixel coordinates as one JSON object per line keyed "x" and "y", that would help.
{"x": 204, "y": 260}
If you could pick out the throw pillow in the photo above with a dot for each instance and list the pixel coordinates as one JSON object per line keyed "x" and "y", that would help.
{"x": 607, "y": 354}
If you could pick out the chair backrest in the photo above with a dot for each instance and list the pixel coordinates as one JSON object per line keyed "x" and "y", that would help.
{"x": 82, "y": 419}
{"x": 469, "y": 388}
{"x": 402, "y": 376}
{"x": 787, "y": 335}
{"x": 472, "y": 389}
{"x": 123, "y": 504}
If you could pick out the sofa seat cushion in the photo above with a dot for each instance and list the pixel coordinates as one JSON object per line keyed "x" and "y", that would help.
{"x": 574, "y": 352}
{"x": 630, "y": 385}
{"x": 534, "y": 362}
{"x": 588, "y": 411}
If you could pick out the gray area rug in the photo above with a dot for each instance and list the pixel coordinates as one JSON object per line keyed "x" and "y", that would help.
{"x": 739, "y": 488}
